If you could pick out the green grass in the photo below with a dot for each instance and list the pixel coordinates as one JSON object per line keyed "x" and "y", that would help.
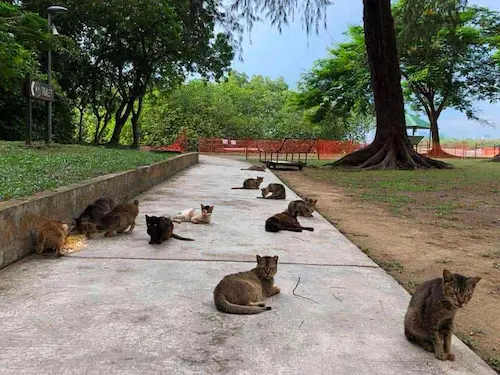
{"x": 25, "y": 171}
{"x": 401, "y": 189}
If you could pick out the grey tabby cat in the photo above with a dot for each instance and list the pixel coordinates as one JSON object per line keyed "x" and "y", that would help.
{"x": 259, "y": 168}
{"x": 432, "y": 309}
{"x": 251, "y": 183}
{"x": 303, "y": 207}
{"x": 244, "y": 292}
{"x": 277, "y": 190}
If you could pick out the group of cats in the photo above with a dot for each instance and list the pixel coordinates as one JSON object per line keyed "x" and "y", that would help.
{"x": 103, "y": 216}
{"x": 286, "y": 220}
{"x": 428, "y": 321}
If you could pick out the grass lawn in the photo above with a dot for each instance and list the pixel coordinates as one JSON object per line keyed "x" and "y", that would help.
{"x": 25, "y": 171}
{"x": 415, "y": 223}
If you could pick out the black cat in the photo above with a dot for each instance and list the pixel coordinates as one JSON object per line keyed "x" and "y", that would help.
{"x": 93, "y": 214}
{"x": 161, "y": 229}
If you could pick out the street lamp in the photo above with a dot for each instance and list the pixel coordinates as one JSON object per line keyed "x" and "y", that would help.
{"x": 52, "y": 30}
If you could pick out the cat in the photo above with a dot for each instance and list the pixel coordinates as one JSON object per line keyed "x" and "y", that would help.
{"x": 277, "y": 190}
{"x": 432, "y": 308}
{"x": 251, "y": 183}
{"x": 161, "y": 229}
{"x": 285, "y": 221}
{"x": 244, "y": 292}
{"x": 303, "y": 207}
{"x": 191, "y": 215}
{"x": 122, "y": 217}
{"x": 51, "y": 234}
{"x": 93, "y": 214}
{"x": 259, "y": 168}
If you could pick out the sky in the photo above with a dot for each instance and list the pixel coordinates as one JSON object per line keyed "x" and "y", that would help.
{"x": 292, "y": 53}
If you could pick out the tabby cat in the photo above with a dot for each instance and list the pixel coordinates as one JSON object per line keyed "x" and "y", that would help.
{"x": 244, "y": 292}
{"x": 277, "y": 190}
{"x": 121, "y": 218}
{"x": 161, "y": 229}
{"x": 89, "y": 221}
{"x": 196, "y": 217}
{"x": 251, "y": 183}
{"x": 285, "y": 221}
{"x": 430, "y": 315}
{"x": 51, "y": 235}
{"x": 303, "y": 207}
{"x": 259, "y": 168}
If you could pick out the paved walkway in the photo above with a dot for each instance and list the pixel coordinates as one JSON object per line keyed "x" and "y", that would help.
{"x": 122, "y": 306}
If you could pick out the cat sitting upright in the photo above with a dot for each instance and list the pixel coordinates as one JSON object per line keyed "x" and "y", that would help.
{"x": 277, "y": 190}
{"x": 251, "y": 183}
{"x": 432, "y": 309}
{"x": 285, "y": 221}
{"x": 244, "y": 292}
{"x": 196, "y": 217}
{"x": 51, "y": 234}
{"x": 161, "y": 229}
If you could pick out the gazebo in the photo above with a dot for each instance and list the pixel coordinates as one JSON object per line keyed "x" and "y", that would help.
{"x": 414, "y": 122}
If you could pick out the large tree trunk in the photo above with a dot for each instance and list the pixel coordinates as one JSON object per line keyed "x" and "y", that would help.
{"x": 97, "y": 129}
{"x": 80, "y": 125}
{"x": 391, "y": 148}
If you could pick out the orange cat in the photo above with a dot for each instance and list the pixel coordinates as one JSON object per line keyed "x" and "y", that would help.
{"x": 51, "y": 235}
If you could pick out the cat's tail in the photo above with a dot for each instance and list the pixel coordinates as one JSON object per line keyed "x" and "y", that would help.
{"x": 239, "y": 187}
{"x": 181, "y": 238}
{"x": 223, "y": 305}
{"x": 311, "y": 229}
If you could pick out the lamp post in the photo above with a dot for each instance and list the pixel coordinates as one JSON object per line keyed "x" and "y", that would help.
{"x": 51, "y": 10}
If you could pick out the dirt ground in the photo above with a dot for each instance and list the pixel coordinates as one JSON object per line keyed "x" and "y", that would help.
{"x": 419, "y": 244}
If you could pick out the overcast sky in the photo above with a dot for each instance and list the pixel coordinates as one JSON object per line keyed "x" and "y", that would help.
{"x": 292, "y": 53}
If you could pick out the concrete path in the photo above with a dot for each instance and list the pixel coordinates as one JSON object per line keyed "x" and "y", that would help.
{"x": 122, "y": 306}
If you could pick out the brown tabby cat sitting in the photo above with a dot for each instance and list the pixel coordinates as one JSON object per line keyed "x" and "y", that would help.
{"x": 430, "y": 315}
{"x": 303, "y": 207}
{"x": 259, "y": 168}
{"x": 244, "y": 292}
{"x": 277, "y": 190}
{"x": 51, "y": 235}
{"x": 251, "y": 183}
{"x": 285, "y": 221}
{"x": 122, "y": 217}
{"x": 89, "y": 222}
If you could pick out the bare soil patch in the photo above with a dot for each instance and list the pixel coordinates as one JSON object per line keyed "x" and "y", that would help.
{"x": 415, "y": 225}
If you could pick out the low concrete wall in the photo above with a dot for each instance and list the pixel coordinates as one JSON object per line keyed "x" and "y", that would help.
{"x": 18, "y": 217}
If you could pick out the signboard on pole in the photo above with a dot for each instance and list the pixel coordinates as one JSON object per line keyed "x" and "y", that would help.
{"x": 39, "y": 90}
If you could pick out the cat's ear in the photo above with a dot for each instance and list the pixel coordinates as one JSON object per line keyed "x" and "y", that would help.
{"x": 259, "y": 259}
{"x": 147, "y": 217}
{"x": 447, "y": 277}
{"x": 474, "y": 280}
{"x": 275, "y": 258}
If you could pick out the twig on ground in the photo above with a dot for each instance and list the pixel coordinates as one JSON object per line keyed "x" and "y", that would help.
{"x": 337, "y": 298}
{"x": 298, "y": 295}
{"x": 300, "y": 325}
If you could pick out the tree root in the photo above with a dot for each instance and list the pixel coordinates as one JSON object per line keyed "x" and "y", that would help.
{"x": 439, "y": 153}
{"x": 388, "y": 156}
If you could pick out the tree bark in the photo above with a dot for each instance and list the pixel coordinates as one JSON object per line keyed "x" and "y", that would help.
{"x": 391, "y": 148}
{"x": 97, "y": 128}
{"x": 80, "y": 124}
{"x": 121, "y": 117}
{"x": 436, "y": 151}
{"x": 135, "y": 123}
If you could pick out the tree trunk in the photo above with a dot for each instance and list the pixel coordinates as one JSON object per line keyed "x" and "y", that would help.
{"x": 436, "y": 151}
{"x": 121, "y": 117}
{"x": 496, "y": 158}
{"x": 97, "y": 131}
{"x": 80, "y": 124}
{"x": 391, "y": 148}
{"x": 135, "y": 124}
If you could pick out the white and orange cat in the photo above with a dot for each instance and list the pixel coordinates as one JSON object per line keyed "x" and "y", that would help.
{"x": 196, "y": 217}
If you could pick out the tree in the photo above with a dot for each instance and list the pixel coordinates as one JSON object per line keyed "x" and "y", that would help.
{"x": 391, "y": 148}
{"x": 448, "y": 60}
